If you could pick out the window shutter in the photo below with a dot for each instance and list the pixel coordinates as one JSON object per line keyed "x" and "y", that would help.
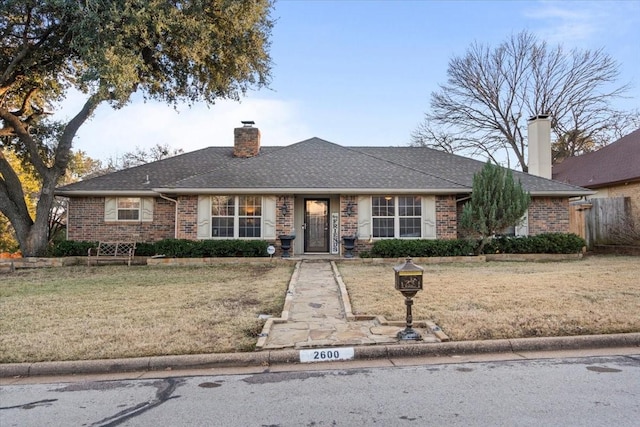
{"x": 269, "y": 217}
{"x": 522, "y": 228}
{"x": 110, "y": 209}
{"x": 146, "y": 207}
{"x": 204, "y": 217}
{"x": 428, "y": 217}
{"x": 364, "y": 217}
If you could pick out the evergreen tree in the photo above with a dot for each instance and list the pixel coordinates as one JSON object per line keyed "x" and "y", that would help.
{"x": 497, "y": 202}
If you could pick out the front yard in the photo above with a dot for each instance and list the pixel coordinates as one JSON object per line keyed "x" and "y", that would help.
{"x": 71, "y": 313}
{"x": 596, "y": 295}
{"x": 74, "y": 313}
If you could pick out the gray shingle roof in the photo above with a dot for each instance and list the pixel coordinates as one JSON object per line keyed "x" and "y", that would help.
{"x": 159, "y": 174}
{"x": 316, "y": 164}
{"x": 614, "y": 163}
{"x": 311, "y": 165}
{"x": 459, "y": 169}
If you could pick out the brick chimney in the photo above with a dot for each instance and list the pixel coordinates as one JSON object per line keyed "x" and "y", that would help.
{"x": 246, "y": 140}
{"x": 539, "y": 139}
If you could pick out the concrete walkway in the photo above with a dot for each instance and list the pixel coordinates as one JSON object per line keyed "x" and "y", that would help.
{"x": 317, "y": 313}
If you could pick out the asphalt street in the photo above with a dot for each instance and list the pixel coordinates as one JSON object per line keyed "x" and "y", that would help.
{"x": 567, "y": 391}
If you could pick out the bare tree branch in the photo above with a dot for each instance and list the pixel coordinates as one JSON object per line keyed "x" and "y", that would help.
{"x": 492, "y": 92}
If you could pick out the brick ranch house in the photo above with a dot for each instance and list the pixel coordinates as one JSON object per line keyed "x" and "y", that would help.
{"x": 314, "y": 189}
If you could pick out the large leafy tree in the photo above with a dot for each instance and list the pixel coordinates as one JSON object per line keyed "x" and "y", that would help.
{"x": 490, "y": 94}
{"x": 497, "y": 202}
{"x": 172, "y": 51}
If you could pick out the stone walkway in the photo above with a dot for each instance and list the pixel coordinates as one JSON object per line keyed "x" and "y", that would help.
{"x": 317, "y": 313}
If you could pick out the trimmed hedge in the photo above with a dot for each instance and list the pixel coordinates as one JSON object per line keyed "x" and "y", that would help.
{"x": 176, "y": 248}
{"x": 72, "y": 248}
{"x": 181, "y": 248}
{"x": 549, "y": 243}
{"x": 396, "y": 248}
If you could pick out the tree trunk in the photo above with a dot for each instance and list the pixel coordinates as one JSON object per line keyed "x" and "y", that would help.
{"x": 480, "y": 248}
{"x": 36, "y": 242}
{"x": 33, "y": 236}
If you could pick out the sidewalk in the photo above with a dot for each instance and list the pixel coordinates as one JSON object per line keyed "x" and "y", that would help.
{"x": 317, "y": 313}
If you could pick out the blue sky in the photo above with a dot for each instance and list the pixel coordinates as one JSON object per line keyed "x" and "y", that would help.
{"x": 361, "y": 72}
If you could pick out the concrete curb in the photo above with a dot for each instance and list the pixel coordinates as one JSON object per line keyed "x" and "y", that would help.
{"x": 280, "y": 357}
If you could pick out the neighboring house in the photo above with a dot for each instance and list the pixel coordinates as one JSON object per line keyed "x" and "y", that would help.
{"x": 612, "y": 171}
{"x": 315, "y": 189}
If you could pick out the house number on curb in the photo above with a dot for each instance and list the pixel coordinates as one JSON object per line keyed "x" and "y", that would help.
{"x": 326, "y": 354}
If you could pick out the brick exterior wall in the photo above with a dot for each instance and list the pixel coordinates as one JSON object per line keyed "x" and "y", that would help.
{"x": 548, "y": 215}
{"x": 284, "y": 223}
{"x": 446, "y": 217}
{"x": 85, "y": 219}
{"x": 632, "y": 191}
{"x": 188, "y": 217}
{"x": 348, "y": 215}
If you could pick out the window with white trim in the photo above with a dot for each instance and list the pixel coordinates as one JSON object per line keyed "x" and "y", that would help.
{"x": 396, "y": 216}
{"x": 128, "y": 208}
{"x": 249, "y": 216}
{"x": 521, "y": 228}
{"x": 236, "y": 216}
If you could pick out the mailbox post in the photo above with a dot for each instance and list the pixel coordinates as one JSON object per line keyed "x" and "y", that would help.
{"x": 409, "y": 282}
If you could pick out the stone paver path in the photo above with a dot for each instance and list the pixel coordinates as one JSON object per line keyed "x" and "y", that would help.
{"x": 315, "y": 315}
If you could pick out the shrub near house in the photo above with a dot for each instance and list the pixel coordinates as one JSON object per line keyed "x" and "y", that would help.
{"x": 176, "y": 248}
{"x": 551, "y": 243}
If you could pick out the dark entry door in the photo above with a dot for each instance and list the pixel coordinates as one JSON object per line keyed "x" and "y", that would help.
{"x": 316, "y": 230}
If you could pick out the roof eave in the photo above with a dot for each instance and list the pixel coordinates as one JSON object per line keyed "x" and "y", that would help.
{"x": 613, "y": 183}
{"x": 103, "y": 193}
{"x": 347, "y": 191}
{"x": 305, "y": 190}
{"x": 577, "y": 193}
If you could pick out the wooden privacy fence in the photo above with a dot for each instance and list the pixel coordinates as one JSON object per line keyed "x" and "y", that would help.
{"x": 601, "y": 221}
{"x": 577, "y": 219}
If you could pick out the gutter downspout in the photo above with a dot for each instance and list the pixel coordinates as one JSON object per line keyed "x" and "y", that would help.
{"x": 175, "y": 225}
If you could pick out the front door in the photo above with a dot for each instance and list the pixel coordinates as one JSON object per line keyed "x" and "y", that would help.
{"x": 316, "y": 225}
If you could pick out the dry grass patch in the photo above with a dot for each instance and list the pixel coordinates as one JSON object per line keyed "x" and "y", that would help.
{"x": 596, "y": 295}
{"x": 80, "y": 313}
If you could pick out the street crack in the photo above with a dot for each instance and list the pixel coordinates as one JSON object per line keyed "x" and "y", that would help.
{"x": 165, "y": 390}
{"x": 31, "y": 405}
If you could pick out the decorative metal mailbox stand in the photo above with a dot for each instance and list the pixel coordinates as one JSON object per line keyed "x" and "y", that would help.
{"x": 409, "y": 282}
